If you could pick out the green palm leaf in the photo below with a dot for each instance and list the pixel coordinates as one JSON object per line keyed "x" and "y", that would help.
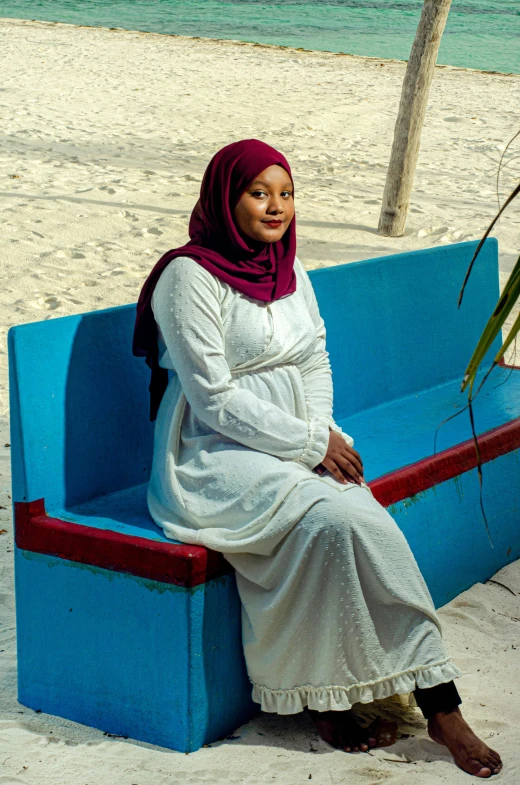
{"x": 509, "y": 340}
{"x": 503, "y": 308}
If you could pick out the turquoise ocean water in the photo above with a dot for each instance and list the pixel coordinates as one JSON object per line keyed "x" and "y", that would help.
{"x": 480, "y": 33}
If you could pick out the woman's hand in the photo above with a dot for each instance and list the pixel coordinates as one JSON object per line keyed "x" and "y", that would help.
{"x": 342, "y": 461}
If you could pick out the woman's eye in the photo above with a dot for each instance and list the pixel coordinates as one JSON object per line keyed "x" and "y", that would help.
{"x": 285, "y": 194}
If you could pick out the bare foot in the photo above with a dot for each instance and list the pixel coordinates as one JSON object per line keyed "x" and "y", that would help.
{"x": 341, "y": 730}
{"x": 469, "y": 752}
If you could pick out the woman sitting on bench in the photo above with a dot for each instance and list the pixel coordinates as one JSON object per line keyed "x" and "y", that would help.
{"x": 248, "y": 461}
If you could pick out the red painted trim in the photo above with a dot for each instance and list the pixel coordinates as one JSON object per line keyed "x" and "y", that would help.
{"x": 417, "y": 477}
{"x": 190, "y": 565}
{"x": 182, "y": 565}
{"x": 503, "y": 364}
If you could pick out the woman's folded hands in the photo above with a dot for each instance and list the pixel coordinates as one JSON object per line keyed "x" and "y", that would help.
{"x": 342, "y": 461}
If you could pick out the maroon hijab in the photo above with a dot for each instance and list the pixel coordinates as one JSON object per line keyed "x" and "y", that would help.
{"x": 262, "y": 273}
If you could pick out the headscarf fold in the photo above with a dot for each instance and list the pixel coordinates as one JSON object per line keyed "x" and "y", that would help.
{"x": 263, "y": 272}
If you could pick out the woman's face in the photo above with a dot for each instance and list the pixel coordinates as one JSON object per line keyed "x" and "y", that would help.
{"x": 266, "y": 208}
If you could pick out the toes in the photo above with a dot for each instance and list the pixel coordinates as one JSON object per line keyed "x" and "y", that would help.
{"x": 340, "y": 730}
{"x": 493, "y": 762}
{"x": 351, "y": 746}
{"x": 352, "y": 737}
{"x": 355, "y": 744}
{"x": 479, "y": 768}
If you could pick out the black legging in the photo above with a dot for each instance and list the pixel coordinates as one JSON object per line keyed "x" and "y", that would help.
{"x": 442, "y": 697}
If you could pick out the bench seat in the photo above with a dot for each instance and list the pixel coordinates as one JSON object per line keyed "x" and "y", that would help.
{"x": 122, "y": 629}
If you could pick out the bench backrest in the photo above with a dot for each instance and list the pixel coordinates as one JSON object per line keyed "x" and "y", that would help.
{"x": 79, "y": 398}
{"x": 79, "y": 408}
{"x": 393, "y": 327}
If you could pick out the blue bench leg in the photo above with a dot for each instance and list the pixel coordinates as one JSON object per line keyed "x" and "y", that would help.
{"x": 152, "y": 661}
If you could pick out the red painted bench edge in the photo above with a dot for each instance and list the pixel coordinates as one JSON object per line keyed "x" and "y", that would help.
{"x": 411, "y": 480}
{"x": 190, "y": 565}
{"x": 167, "y": 562}
{"x": 502, "y": 363}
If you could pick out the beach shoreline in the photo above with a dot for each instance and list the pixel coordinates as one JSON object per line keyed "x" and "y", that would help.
{"x": 238, "y": 42}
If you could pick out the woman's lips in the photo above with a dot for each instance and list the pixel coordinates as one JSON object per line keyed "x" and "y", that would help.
{"x": 273, "y": 224}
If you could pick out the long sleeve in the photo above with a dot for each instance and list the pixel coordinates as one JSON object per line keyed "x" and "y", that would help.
{"x": 187, "y": 309}
{"x": 316, "y": 371}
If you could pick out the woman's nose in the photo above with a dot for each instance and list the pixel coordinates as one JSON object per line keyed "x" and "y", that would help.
{"x": 275, "y": 206}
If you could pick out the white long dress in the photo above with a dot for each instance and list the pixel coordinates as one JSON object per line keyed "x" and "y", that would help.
{"x": 335, "y": 610}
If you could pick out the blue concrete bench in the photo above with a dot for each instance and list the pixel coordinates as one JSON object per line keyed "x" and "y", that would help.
{"x": 124, "y": 630}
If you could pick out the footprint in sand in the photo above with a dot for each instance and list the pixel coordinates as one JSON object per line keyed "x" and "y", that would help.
{"x": 70, "y": 253}
{"x": 49, "y": 303}
{"x": 129, "y": 270}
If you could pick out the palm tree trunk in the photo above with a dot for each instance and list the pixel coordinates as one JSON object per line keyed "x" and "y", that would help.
{"x": 410, "y": 119}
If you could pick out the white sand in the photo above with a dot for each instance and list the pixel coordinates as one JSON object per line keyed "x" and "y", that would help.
{"x": 105, "y": 136}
